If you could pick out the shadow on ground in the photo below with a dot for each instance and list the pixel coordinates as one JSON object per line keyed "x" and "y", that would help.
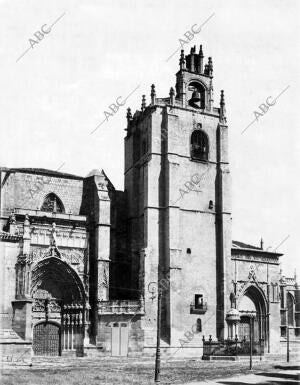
{"x": 279, "y": 378}
{"x": 261, "y": 383}
{"x": 295, "y": 367}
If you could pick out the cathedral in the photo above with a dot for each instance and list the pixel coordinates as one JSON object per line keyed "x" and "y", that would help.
{"x": 84, "y": 266}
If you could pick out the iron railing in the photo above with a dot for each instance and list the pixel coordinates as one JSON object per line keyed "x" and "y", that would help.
{"x": 232, "y": 347}
{"x": 120, "y": 307}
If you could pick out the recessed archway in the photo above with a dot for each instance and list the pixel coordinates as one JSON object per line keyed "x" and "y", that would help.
{"x": 58, "y": 308}
{"x": 253, "y": 304}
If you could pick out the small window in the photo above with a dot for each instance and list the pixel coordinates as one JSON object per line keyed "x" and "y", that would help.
{"x": 198, "y": 301}
{"x": 188, "y": 251}
{"x": 52, "y": 204}
{"x": 199, "y": 145}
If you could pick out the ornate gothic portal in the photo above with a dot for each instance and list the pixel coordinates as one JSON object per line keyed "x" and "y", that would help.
{"x": 58, "y": 308}
{"x": 253, "y": 304}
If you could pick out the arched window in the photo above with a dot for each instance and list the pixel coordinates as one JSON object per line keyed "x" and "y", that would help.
{"x": 290, "y": 309}
{"x": 199, "y": 145}
{"x": 196, "y": 95}
{"x": 53, "y": 204}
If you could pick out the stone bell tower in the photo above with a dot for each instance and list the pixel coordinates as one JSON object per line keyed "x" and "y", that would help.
{"x": 179, "y": 216}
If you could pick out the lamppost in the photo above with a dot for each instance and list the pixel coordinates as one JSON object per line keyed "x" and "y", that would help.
{"x": 251, "y": 316}
{"x": 157, "y": 356}
{"x": 287, "y": 343}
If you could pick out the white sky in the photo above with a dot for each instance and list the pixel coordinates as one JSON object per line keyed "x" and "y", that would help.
{"x": 55, "y": 95}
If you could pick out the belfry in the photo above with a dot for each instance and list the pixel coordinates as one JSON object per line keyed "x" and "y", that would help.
{"x": 82, "y": 262}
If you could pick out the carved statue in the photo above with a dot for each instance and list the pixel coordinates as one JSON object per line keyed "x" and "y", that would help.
{"x": 53, "y": 235}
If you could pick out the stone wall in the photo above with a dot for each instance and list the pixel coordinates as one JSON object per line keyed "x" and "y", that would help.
{"x": 8, "y": 259}
{"x": 28, "y": 190}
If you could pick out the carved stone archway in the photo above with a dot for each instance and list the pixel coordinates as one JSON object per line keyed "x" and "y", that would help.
{"x": 253, "y": 303}
{"x": 58, "y": 296}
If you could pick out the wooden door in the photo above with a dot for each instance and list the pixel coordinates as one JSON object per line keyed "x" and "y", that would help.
{"x": 46, "y": 339}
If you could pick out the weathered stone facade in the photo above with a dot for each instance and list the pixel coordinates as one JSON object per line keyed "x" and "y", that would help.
{"x": 82, "y": 263}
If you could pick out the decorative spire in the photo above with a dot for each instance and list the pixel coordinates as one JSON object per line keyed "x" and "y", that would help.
{"x": 129, "y": 114}
{"x": 201, "y": 52}
{"x": 222, "y": 108}
{"x": 206, "y": 69}
{"x": 192, "y": 63}
{"x": 210, "y": 66}
{"x": 172, "y": 96}
{"x": 129, "y": 120}
{"x": 201, "y": 56}
{"x": 153, "y": 94}
{"x": 261, "y": 244}
{"x": 143, "y": 103}
{"x": 211, "y": 95}
{"x": 182, "y": 60}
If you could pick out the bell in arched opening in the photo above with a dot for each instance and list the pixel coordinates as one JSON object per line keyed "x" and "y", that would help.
{"x": 195, "y": 100}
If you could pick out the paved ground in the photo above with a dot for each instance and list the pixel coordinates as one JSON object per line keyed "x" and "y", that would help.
{"x": 282, "y": 375}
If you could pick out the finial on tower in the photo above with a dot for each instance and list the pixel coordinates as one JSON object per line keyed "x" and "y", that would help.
{"x": 192, "y": 60}
{"x": 211, "y": 95}
{"x": 172, "y": 96}
{"x": 201, "y": 52}
{"x": 222, "y": 108}
{"x": 153, "y": 94}
{"x": 129, "y": 119}
{"x": 143, "y": 103}
{"x": 129, "y": 114}
{"x": 182, "y": 60}
{"x": 201, "y": 56}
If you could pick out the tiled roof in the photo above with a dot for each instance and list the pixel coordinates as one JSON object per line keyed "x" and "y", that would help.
{"x": 236, "y": 245}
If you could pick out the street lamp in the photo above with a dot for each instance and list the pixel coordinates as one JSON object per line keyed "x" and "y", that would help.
{"x": 252, "y": 317}
{"x": 287, "y": 343}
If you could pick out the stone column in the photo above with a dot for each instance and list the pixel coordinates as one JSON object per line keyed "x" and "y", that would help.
{"x": 102, "y": 233}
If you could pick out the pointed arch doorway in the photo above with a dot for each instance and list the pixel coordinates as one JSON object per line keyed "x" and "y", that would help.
{"x": 253, "y": 303}
{"x": 58, "y": 308}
